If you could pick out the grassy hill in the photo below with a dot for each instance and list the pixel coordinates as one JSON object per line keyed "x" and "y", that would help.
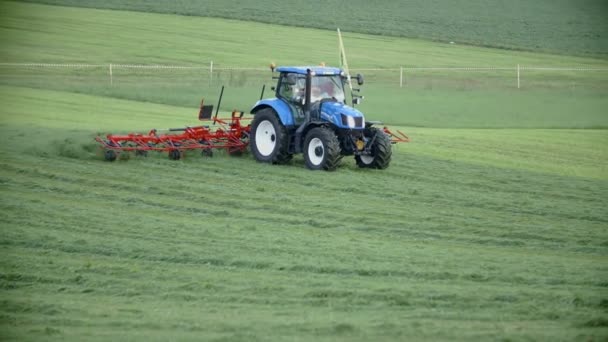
{"x": 52, "y": 34}
{"x": 471, "y": 234}
{"x": 562, "y": 26}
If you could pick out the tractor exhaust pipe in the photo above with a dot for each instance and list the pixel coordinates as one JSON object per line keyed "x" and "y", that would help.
{"x": 308, "y": 94}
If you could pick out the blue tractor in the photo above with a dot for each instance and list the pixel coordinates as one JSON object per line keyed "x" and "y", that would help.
{"x": 309, "y": 114}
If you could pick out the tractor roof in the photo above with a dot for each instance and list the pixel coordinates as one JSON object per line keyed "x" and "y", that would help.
{"x": 319, "y": 70}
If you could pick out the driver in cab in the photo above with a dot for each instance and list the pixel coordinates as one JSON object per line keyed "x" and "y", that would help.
{"x": 321, "y": 89}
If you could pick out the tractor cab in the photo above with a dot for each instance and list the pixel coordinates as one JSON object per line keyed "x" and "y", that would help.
{"x": 314, "y": 94}
{"x": 327, "y": 84}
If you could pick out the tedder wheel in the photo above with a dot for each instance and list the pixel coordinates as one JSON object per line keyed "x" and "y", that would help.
{"x": 322, "y": 149}
{"x": 110, "y": 155}
{"x": 235, "y": 151}
{"x": 175, "y": 154}
{"x": 381, "y": 151}
{"x": 207, "y": 152}
{"x": 240, "y": 150}
{"x": 269, "y": 139}
{"x": 141, "y": 153}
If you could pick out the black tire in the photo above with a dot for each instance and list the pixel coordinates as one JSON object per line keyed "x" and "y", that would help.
{"x": 381, "y": 151}
{"x": 175, "y": 154}
{"x": 235, "y": 151}
{"x": 240, "y": 150}
{"x": 207, "y": 152}
{"x": 322, "y": 149}
{"x": 109, "y": 155}
{"x": 269, "y": 140}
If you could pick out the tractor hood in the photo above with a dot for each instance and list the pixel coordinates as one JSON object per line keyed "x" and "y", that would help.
{"x": 342, "y": 115}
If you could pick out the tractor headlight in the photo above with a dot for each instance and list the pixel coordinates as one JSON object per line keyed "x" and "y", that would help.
{"x": 351, "y": 121}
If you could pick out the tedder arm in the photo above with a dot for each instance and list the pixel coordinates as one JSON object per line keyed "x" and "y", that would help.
{"x": 398, "y": 137}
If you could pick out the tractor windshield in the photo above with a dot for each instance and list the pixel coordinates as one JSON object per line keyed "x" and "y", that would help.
{"x": 327, "y": 87}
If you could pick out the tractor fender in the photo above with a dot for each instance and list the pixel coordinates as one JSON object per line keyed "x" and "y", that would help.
{"x": 303, "y": 130}
{"x": 279, "y": 106}
{"x": 314, "y": 124}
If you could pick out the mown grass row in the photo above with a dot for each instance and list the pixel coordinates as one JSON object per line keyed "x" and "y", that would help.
{"x": 562, "y": 26}
{"x": 170, "y": 248}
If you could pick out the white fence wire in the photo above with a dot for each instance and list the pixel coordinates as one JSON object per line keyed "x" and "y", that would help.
{"x": 388, "y": 75}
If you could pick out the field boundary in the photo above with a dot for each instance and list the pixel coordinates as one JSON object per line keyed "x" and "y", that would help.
{"x": 210, "y": 66}
{"x": 211, "y": 69}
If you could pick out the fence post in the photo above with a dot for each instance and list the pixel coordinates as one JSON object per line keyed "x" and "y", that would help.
{"x": 210, "y": 72}
{"x": 111, "y": 77}
{"x": 517, "y": 76}
{"x": 400, "y": 77}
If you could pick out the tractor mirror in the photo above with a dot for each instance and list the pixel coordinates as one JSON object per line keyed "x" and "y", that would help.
{"x": 290, "y": 79}
{"x": 359, "y": 79}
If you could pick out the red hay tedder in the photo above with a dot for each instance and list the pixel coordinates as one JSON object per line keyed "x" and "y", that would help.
{"x": 230, "y": 134}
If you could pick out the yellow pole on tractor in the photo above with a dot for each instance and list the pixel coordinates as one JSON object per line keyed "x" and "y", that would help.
{"x": 343, "y": 62}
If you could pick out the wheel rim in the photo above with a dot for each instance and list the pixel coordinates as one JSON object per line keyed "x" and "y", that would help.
{"x": 316, "y": 151}
{"x": 265, "y": 138}
{"x": 366, "y": 158}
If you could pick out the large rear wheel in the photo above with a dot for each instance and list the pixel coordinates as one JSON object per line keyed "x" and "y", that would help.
{"x": 322, "y": 149}
{"x": 269, "y": 139}
{"x": 379, "y": 156}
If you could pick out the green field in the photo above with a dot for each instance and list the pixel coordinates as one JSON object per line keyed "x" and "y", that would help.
{"x": 559, "y": 26}
{"x": 36, "y": 33}
{"x": 489, "y": 225}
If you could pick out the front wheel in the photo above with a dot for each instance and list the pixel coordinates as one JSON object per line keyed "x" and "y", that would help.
{"x": 322, "y": 149}
{"x": 379, "y": 155}
{"x": 269, "y": 140}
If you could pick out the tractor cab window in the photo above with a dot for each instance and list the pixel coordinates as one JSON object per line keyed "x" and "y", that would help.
{"x": 327, "y": 87}
{"x": 293, "y": 87}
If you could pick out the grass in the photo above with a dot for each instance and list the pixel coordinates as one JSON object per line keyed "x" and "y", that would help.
{"x": 510, "y": 245}
{"x": 444, "y": 105}
{"x": 562, "y": 26}
{"x": 408, "y": 106}
{"x": 489, "y": 108}
{"x": 471, "y": 234}
{"x": 38, "y": 33}
{"x": 566, "y": 152}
